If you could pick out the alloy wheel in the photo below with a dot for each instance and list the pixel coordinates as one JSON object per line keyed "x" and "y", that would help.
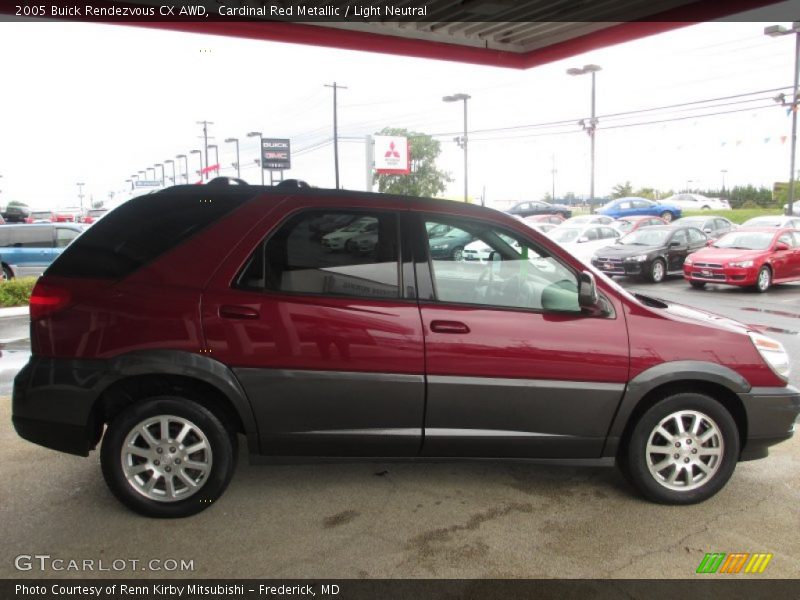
{"x": 684, "y": 451}
{"x": 166, "y": 458}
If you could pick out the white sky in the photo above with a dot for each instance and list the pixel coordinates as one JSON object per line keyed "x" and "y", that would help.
{"x": 95, "y": 103}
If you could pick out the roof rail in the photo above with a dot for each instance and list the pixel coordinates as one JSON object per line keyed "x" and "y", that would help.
{"x": 292, "y": 183}
{"x": 227, "y": 181}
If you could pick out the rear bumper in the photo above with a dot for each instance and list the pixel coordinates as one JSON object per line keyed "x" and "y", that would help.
{"x": 772, "y": 417}
{"x": 52, "y": 404}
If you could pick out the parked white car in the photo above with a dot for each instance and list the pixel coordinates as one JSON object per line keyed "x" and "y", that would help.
{"x": 697, "y": 202}
{"x": 338, "y": 239}
{"x": 583, "y": 241}
{"x": 581, "y": 220}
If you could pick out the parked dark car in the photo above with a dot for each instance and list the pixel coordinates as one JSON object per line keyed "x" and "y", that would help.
{"x": 651, "y": 252}
{"x": 27, "y": 250}
{"x": 450, "y": 245}
{"x": 638, "y": 207}
{"x": 16, "y": 214}
{"x": 172, "y": 325}
{"x": 714, "y": 227}
{"x": 539, "y": 207}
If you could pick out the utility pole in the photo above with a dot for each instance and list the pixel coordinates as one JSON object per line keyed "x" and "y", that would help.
{"x": 205, "y": 125}
{"x": 335, "y": 87}
{"x": 553, "y": 175}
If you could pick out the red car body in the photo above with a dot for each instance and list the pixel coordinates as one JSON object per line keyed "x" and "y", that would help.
{"x": 741, "y": 266}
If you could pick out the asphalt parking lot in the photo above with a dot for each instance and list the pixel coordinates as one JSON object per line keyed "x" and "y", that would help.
{"x": 471, "y": 520}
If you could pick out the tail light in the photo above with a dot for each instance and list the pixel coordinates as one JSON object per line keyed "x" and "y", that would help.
{"x": 47, "y": 299}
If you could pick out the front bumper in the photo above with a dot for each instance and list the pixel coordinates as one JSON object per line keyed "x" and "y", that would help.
{"x": 726, "y": 275}
{"x": 772, "y": 417}
{"x": 618, "y": 266}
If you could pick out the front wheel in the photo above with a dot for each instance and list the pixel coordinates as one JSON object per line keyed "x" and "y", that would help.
{"x": 764, "y": 279}
{"x": 658, "y": 270}
{"x": 682, "y": 450}
{"x": 7, "y": 274}
{"x": 457, "y": 254}
{"x": 167, "y": 457}
{"x": 667, "y": 216}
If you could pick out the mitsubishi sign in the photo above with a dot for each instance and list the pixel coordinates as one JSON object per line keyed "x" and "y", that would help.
{"x": 276, "y": 154}
{"x": 392, "y": 155}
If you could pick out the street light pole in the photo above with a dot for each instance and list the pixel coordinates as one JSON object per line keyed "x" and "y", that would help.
{"x": 235, "y": 141}
{"x": 200, "y": 170}
{"x": 162, "y": 172}
{"x": 185, "y": 166}
{"x": 80, "y": 194}
{"x": 592, "y": 126}
{"x": 463, "y": 141}
{"x": 723, "y": 171}
{"x": 260, "y": 151}
{"x": 172, "y": 162}
{"x": 777, "y": 31}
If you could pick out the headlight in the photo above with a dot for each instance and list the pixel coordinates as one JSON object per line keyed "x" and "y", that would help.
{"x": 742, "y": 264}
{"x": 639, "y": 258}
{"x": 688, "y": 260}
{"x": 773, "y": 353}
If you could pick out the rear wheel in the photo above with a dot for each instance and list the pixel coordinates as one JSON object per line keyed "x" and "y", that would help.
{"x": 682, "y": 450}
{"x": 658, "y": 270}
{"x": 764, "y": 279}
{"x": 7, "y": 274}
{"x": 667, "y": 216}
{"x": 167, "y": 457}
{"x": 458, "y": 253}
{"x": 698, "y": 285}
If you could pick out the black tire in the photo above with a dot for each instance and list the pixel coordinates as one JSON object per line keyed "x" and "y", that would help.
{"x": 457, "y": 253}
{"x": 763, "y": 280}
{"x": 7, "y": 274}
{"x": 222, "y": 457}
{"x": 658, "y": 271}
{"x": 698, "y": 285}
{"x": 667, "y": 216}
{"x": 635, "y": 459}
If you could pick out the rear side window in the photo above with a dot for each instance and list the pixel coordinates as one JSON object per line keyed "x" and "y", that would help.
{"x": 64, "y": 236}
{"x": 28, "y": 236}
{"x": 332, "y": 253}
{"x": 142, "y": 229}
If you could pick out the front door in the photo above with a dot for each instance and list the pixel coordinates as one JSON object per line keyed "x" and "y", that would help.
{"x": 514, "y": 368}
{"x": 324, "y": 336}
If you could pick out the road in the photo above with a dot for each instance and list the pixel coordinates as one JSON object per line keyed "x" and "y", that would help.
{"x": 472, "y": 520}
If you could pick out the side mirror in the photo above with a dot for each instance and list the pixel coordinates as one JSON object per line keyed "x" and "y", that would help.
{"x": 583, "y": 239}
{"x": 781, "y": 246}
{"x": 587, "y": 291}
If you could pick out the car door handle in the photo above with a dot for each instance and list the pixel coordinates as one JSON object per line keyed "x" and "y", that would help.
{"x": 230, "y": 311}
{"x": 449, "y": 327}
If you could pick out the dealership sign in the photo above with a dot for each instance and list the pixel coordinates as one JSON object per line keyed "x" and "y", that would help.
{"x": 392, "y": 155}
{"x": 276, "y": 154}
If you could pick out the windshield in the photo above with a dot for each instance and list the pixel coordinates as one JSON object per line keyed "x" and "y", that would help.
{"x": 763, "y": 222}
{"x": 646, "y": 237}
{"x": 698, "y": 222}
{"x": 623, "y": 226}
{"x": 746, "y": 240}
{"x": 564, "y": 234}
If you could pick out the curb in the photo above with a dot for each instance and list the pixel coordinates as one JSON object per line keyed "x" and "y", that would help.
{"x": 14, "y": 311}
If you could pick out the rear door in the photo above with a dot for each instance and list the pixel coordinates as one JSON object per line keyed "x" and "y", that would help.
{"x": 327, "y": 344}
{"x": 677, "y": 250}
{"x": 514, "y": 368}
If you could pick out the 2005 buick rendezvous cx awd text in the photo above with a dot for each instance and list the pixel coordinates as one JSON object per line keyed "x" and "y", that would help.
{"x": 191, "y": 315}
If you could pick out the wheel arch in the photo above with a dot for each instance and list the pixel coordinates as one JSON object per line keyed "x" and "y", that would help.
{"x": 646, "y": 389}
{"x": 143, "y": 374}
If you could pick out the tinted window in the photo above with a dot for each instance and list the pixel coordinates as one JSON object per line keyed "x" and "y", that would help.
{"x": 504, "y": 270}
{"x": 592, "y": 234}
{"x": 357, "y": 259}
{"x": 679, "y": 237}
{"x": 607, "y": 232}
{"x": 28, "y": 236}
{"x": 641, "y": 204}
{"x": 787, "y": 239}
{"x": 142, "y": 229}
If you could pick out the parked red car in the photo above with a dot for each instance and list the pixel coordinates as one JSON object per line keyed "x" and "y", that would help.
{"x": 748, "y": 257}
{"x": 175, "y": 323}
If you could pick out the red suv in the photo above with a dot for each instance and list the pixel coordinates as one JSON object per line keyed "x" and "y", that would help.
{"x": 191, "y": 315}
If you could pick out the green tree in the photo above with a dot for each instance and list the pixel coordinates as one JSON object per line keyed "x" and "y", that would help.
{"x": 647, "y": 192}
{"x": 622, "y": 189}
{"x": 425, "y": 179}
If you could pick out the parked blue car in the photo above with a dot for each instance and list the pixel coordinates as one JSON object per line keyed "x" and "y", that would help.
{"x": 633, "y": 207}
{"x": 29, "y": 249}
